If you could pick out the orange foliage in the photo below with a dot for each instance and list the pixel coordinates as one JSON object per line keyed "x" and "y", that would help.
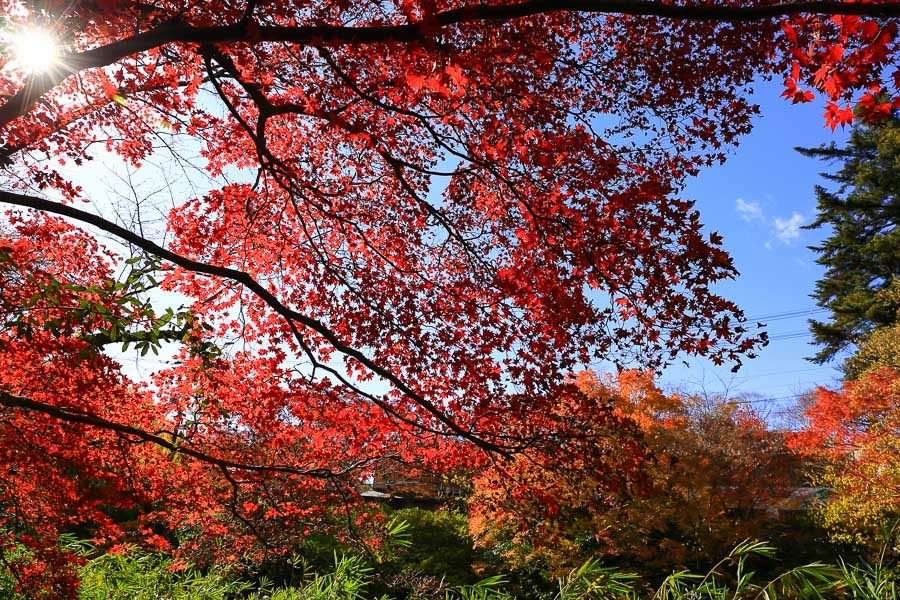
{"x": 856, "y": 431}
{"x": 713, "y": 470}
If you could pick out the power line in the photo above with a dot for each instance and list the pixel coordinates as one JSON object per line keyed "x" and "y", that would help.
{"x": 750, "y": 401}
{"x": 762, "y": 400}
{"x": 769, "y": 373}
{"x": 790, "y": 314}
{"x": 789, "y": 336}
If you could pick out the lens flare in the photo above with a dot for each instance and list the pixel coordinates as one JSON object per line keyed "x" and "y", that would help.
{"x": 35, "y": 50}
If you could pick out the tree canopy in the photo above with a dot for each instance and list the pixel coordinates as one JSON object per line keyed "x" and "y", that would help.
{"x": 398, "y": 227}
{"x": 853, "y": 431}
{"x": 861, "y": 254}
{"x": 708, "y": 475}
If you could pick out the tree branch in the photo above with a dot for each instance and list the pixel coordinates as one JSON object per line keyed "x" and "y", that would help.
{"x": 175, "y": 31}
{"x": 245, "y": 279}
{"x": 73, "y": 416}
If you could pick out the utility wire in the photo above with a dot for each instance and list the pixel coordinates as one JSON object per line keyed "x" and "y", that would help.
{"x": 788, "y": 336}
{"x": 790, "y": 314}
{"x": 765, "y": 400}
{"x": 744, "y": 378}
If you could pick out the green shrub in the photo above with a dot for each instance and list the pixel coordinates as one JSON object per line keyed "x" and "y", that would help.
{"x": 138, "y": 575}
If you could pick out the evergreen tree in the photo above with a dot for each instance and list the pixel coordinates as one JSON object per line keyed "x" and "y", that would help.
{"x": 862, "y": 253}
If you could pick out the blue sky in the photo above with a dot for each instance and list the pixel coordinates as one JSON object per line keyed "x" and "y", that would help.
{"x": 757, "y": 200}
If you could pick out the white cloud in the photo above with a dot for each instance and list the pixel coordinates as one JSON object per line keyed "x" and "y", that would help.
{"x": 748, "y": 211}
{"x": 788, "y": 230}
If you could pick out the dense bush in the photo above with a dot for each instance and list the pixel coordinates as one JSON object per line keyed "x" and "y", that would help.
{"x": 138, "y": 575}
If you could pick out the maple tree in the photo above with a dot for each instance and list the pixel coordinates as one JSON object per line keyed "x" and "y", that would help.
{"x": 549, "y": 509}
{"x": 851, "y": 434}
{"x": 437, "y": 208}
{"x": 719, "y": 478}
{"x": 854, "y": 430}
{"x": 86, "y": 449}
{"x": 702, "y": 477}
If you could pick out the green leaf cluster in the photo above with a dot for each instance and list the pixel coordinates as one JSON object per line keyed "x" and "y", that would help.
{"x": 113, "y": 311}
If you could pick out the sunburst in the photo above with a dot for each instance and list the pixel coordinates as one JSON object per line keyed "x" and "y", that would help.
{"x": 35, "y": 50}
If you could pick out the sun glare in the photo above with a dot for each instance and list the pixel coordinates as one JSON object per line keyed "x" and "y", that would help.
{"x": 35, "y": 50}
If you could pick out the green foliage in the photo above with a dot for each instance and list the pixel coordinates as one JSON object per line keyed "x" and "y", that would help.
{"x": 490, "y": 588}
{"x": 593, "y": 580}
{"x": 869, "y": 581}
{"x": 399, "y": 532}
{"x": 119, "y": 310}
{"x": 731, "y": 578}
{"x": 349, "y": 579}
{"x": 137, "y": 575}
{"x": 141, "y": 576}
{"x": 11, "y": 555}
{"x": 862, "y": 254}
{"x": 738, "y": 581}
{"x": 435, "y": 552}
{"x": 878, "y": 579}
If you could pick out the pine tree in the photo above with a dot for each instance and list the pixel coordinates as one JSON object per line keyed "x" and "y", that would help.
{"x": 862, "y": 253}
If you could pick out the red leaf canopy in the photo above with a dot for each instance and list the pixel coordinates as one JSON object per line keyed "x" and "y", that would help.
{"x": 421, "y": 216}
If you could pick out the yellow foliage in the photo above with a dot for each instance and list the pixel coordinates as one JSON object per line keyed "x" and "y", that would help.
{"x": 882, "y": 348}
{"x": 857, "y": 431}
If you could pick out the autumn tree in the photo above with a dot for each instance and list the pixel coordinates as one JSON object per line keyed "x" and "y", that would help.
{"x": 710, "y": 476}
{"x": 718, "y": 476}
{"x": 87, "y": 450}
{"x": 851, "y": 434}
{"x": 855, "y": 432}
{"x": 400, "y": 225}
{"x": 881, "y": 349}
{"x": 861, "y": 254}
{"x": 550, "y": 511}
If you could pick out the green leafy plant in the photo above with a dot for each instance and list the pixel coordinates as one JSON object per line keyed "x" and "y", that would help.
{"x": 490, "y": 588}
{"x": 593, "y": 580}
{"x": 137, "y": 575}
{"x": 868, "y": 582}
{"x": 348, "y": 580}
{"x": 876, "y": 580}
{"x": 399, "y": 532}
{"x": 807, "y": 581}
